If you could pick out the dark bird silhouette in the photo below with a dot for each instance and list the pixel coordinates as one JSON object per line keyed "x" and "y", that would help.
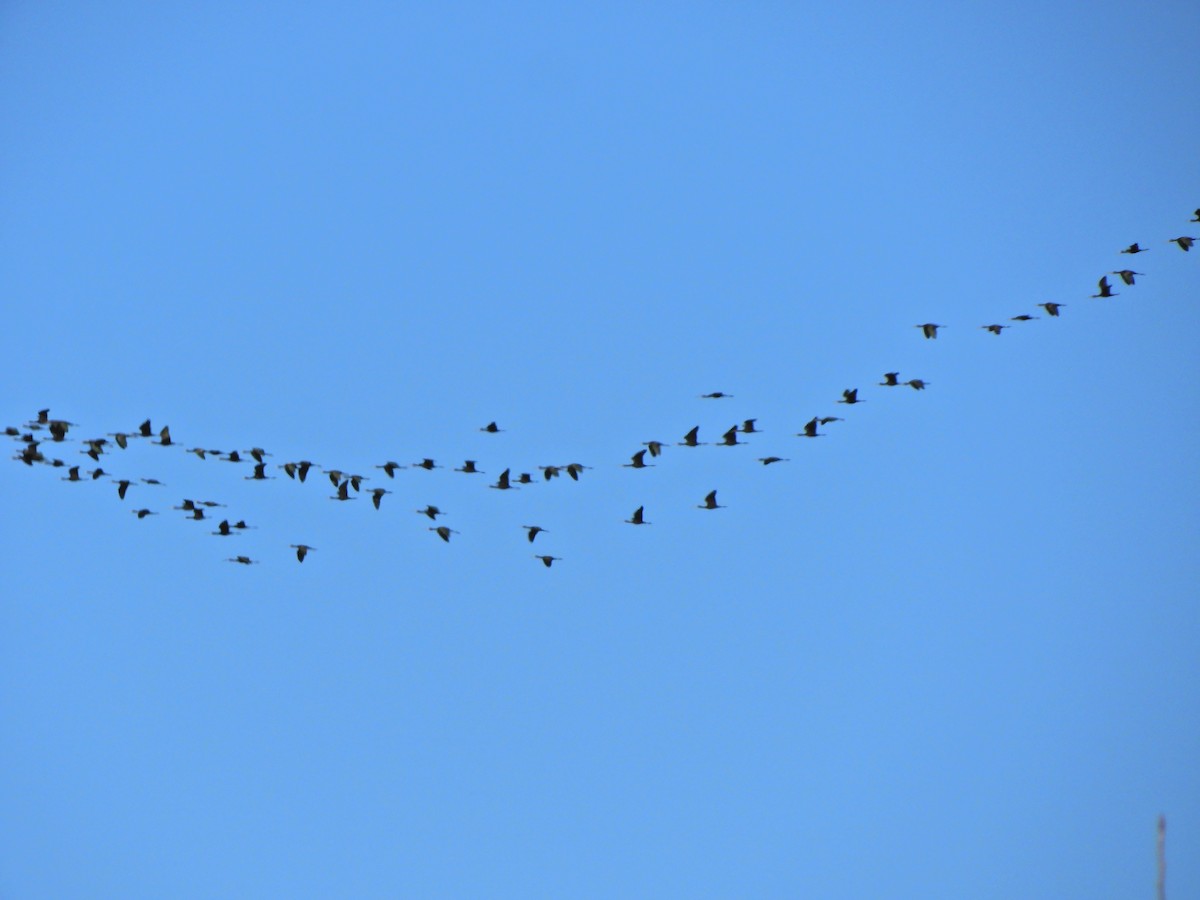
{"x": 1185, "y": 243}
{"x": 639, "y": 461}
{"x": 491, "y": 428}
{"x": 748, "y": 427}
{"x": 546, "y": 560}
{"x": 655, "y": 447}
{"x": 890, "y": 379}
{"x": 377, "y": 495}
{"x": 573, "y": 469}
{"x": 290, "y": 469}
{"x": 1127, "y": 275}
{"x": 1195, "y": 216}
{"x": 260, "y": 473}
{"x": 302, "y": 470}
{"x": 223, "y": 528}
{"x": 444, "y": 533}
{"x": 142, "y": 513}
{"x": 1105, "y": 290}
{"x": 767, "y": 460}
{"x": 432, "y": 511}
{"x": 427, "y": 464}
{"x": 524, "y": 478}
{"x": 710, "y": 501}
{"x": 850, "y": 396}
{"x": 1134, "y": 248}
{"x": 502, "y": 483}
{"x": 197, "y": 513}
{"x": 917, "y": 384}
{"x": 929, "y": 329}
{"x": 121, "y": 438}
{"x": 243, "y": 560}
{"x": 715, "y": 395}
{"x": 729, "y": 438}
{"x": 469, "y": 467}
{"x": 99, "y": 473}
{"x": 356, "y": 481}
{"x": 302, "y": 550}
{"x": 390, "y": 468}
{"x": 258, "y": 453}
{"x": 122, "y": 487}
{"x": 533, "y": 531}
{"x": 153, "y": 481}
{"x": 144, "y": 429}
{"x": 241, "y": 525}
{"x": 164, "y": 437}
{"x": 1023, "y": 317}
{"x": 1052, "y": 308}
{"x": 343, "y": 492}
{"x": 335, "y": 476}
{"x": 638, "y": 517}
{"x": 200, "y": 452}
{"x": 994, "y": 329}
{"x": 689, "y": 439}
{"x": 810, "y": 428}
{"x": 233, "y": 456}
{"x": 549, "y": 472}
{"x": 73, "y": 474}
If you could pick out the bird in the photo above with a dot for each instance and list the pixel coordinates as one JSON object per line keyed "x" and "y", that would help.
{"x": 638, "y": 517}
{"x": 850, "y": 396}
{"x": 1023, "y": 317}
{"x": 122, "y": 487}
{"x": 1105, "y": 290}
{"x": 748, "y": 427}
{"x": 243, "y": 560}
{"x": 929, "y": 329}
{"x": 1126, "y": 275}
{"x": 767, "y": 460}
{"x": 432, "y": 511}
{"x": 1185, "y": 242}
{"x": 549, "y": 472}
{"x": 258, "y": 453}
{"x": 469, "y": 468}
{"x": 491, "y": 428}
{"x": 223, "y": 528}
{"x": 154, "y": 481}
{"x": 197, "y": 513}
{"x": 390, "y": 468}
{"x": 655, "y": 447}
{"x": 121, "y": 438}
{"x": 525, "y": 478}
{"x": 715, "y": 395}
{"x": 729, "y": 438}
{"x": 427, "y": 464}
{"x": 890, "y": 379}
{"x": 142, "y": 513}
{"x": 377, "y": 495}
{"x": 689, "y": 439}
{"x": 502, "y": 483}
{"x": 302, "y": 468}
{"x": 343, "y": 492}
{"x": 444, "y": 533}
{"x": 573, "y": 469}
{"x": 302, "y": 550}
{"x": 533, "y": 531}
{"x": 98, "y": 473}
{"x": 1134, "y": 248}
{"x": 233, "y": 456}
{"x": 200, "y": 452}
{"x": 335, "y": 476}
{"x": 994, "y": 329}
{"x": 356, "y": 481}
{"x": 1195, "y": 216}
{"x": 639, "y": 461}
{"x": 72, "y": 474}
{"x": 144, "y": 429}
{"x": 917, "y": 384}
{"x": 546, "y": 560}
{"x": 810, "y": 428}
{"x": 1052, "y": 308}
{"x": 164, "y": 436}
{"x": 260, "y": 473}
{"x": 710, "y": 501}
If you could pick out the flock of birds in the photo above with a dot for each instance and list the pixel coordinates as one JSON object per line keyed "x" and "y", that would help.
{"x": 40, "y": 439}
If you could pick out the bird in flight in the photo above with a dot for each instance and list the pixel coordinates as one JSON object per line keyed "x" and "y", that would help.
{"x": 729, "y": 438}
{"x": 1126, "y": 275}
{"x": 929, "y": 329}
{"x": 638, "y": 517}
{"x": 994, "y": 329}
{"x": 502, "y": 482}
{"x": 638, "y": 461}
{"x": 469, "y": 468}
{"x": 917, "y": 384}
{"x": 243, "y": 560}
{"x": 302, "y": 550}
{"x": 444, "y": 532}
{"x": 1052, "y": 308}
{"x": 533, "y": 531}
{"x": 890, "y": 379}
{"x": 546, "y": 560}
{"x": 432, "y": 511}
{"x": 810, "y": 428}
{"x": 1023, "y": 317}
{"x": 377, "y": 495}
{"x": 1185, "y": 243}
{"x": 390, "y": 468}
{"x": 689, "y": 439}
{"x": 710, "y": 501}
{"x": 491, "y": 428}
{"x": 850, "y": 396}
{"x": 715, "y": 395}
{"x": 767, "y": 460}
{"x": 1134, "y": 248}
{"x": 1105, "y": 290}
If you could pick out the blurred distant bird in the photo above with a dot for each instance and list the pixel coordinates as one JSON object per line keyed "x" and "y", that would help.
{"x": 655, "y": 447}
{"x": 144, "y": 429}
{"x": 525, "y": 478}
{"x": 767, "y": 460}
{"x": 99, "y": 473}
{"x": 917, "y": 384}
{"x": 343, "y": 492}
{"x": 1126, "y": 275}
{"x": 244, "y": 560}
{"x": 491, "y": 428}
{"x": 233, "y": 456}
{"x": 638, "y": 517}
{"x": 1195, "y": 216}
{"x": 1134, "y": 248}
{"x": 302, "y": 550}
{"x": 825, "y": 420}
{"x": 122, "y": 487}
{"x": 850, "y": 396}
{"x": 729, "y": 438}
{"x": 710, "y": 501}
{"x": 377, "y": 495}
{"x": 432, "y": 511}
{"x": 142, "y": 513}
{"x": 1052, "y": 308}
{"x": 533, "y": 531}
{"x": 502, "y": 483}
{"x": 73, "y": 474}
{"x": 260, "y": 473}
{"x": 1185, "y": 243}
{"x": 748, "y": 427}
{"x": 549, "y": 472}
{"x": 469, "y": 468}
{"x": 994, "y": 329}
{"x": 164, "y": 437}
{"x": 689, "y": 439}
{"x": 638, "y": 461}
{"x": 1023, "y": 317}
{"x": 444, "y": 533}
{"x": 573, "y": 469}
{"x": 427, "y": 464}
{"x": 890, "y": 379}
{"x": 390, "y": 468}
{"x": 223, "y": 528}
{"x": 1105, "y": 290}
{"x": 546, "y": 560}
{"x": 121, "y": 438}
{"x": 715, "y": 395}
{"x": 929, "y": 329}
{"x": 810, "y": 429}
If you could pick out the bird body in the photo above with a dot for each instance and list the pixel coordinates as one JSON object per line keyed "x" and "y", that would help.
{"x": 1185, "y": 243}
{"x": 994, "y": 329}
{"x": 1052, "y": 308}
{"x": 1105, "y": 290}
{"x": 929, "y": 329}
{"x": 710, "y": 501}
{"x": 546, "y": 560}
{"x": 302, "y": 550}
{"x": 444, "y": 533}
{"x": 638, "y": 517}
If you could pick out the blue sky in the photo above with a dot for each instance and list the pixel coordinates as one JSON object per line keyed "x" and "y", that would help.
{"x": 946, "y": 650}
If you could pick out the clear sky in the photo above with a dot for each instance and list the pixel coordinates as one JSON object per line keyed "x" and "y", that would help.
{"x": 946, "y": 650}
